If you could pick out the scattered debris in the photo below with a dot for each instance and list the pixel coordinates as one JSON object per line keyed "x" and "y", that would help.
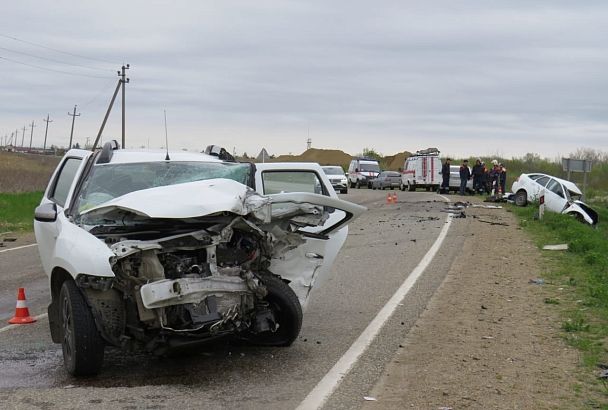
{"x": 560, "y": 247}
{"x": 492, "y": 222}
{"x": 9, "y": 239}
{"x": 369, "y": 398}
{"x": 483, "y": 307}
{"x": 487, "y": 206}
{"x": 487, "y": 337}
{"x": 494, "y": 199}
{"x": 603, "y": 374}
{"x": 445, "y": 408}
{"x": 537, "y": 281}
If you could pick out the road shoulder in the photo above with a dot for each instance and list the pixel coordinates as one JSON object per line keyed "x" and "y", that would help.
{"x": 487, "y": 339}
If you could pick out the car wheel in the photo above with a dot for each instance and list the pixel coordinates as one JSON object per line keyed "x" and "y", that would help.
{"x": 374, "y": 187}
{"x": 358, "y": 185}
{"x": 82, "y": 345}
{"x": 579, "y": 217}
{"x": 402, "y": 187}
{"x": 287, "y": 313}
{"x": 411, "y": 187}
{"x": 344, "y": 191}
{"x": 521, "y": 198}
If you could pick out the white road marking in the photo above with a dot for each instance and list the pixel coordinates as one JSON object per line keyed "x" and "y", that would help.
{"x": 330, "y": 382}
{"x": 9, "y": 327}
{"x": 18, "y": 247}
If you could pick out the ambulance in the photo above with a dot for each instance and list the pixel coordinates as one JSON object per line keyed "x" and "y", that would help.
{"x": 422, "y": 170}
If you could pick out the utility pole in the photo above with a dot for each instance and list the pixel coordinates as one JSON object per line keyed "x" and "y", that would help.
{"x": 123, "y": 81}
{"x": 72, "y": 132}
{"x": 46, "y": 131}
{"x": 32, "y": 135}
{"x": 23, "y": 135}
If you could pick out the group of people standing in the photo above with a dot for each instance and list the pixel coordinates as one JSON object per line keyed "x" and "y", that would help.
{"x": 484, "y": 179}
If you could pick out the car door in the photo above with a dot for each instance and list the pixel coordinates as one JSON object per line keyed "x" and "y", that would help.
{"x": 59, "y": 194}
{"x": 536, "y": 187}
{"x": 555, "y": 198}
{"x": 309, "y": 264}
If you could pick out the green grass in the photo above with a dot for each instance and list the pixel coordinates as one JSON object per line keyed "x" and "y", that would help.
{"x": 582, "y": 275}
{"x": 17, "y": 210}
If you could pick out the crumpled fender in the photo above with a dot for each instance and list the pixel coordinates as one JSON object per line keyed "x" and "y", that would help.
{"x": 77, "y": 251}
{"x": 590, "y": 216}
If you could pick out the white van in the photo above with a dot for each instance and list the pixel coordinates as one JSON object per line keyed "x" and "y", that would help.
{"x": 361, "y": 171}
{"x": 422, "y": 169}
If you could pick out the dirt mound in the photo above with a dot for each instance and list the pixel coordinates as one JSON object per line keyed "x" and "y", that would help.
{"x": 394, "y": 162}
{"x": 322, "y": 156}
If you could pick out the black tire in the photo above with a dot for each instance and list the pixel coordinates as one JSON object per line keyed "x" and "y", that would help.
{"x": 411, "y": 187}
{"x": 344, "y": 191}
{"x": 521, "y": 198}
{"x": 373, "y": 187}
{"x": 351, "y": 183}
{"x": 82, "y": 345}
{"x": 401, "y": 186}
{"x": 287, "y": 311}
{"x": 357, "y": 185}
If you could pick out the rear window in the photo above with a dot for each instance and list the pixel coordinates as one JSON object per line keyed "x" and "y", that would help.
{"x": 542, "y": 181}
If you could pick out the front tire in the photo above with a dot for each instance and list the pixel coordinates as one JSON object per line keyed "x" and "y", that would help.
{"x": 287, "y": 312}
{"x": 411, "y": 187}
{"x": 82, "y": 345}
{"x": 521, "y": 198}
{"x": 358, "y": 185}
{"x": 344, "y": 191}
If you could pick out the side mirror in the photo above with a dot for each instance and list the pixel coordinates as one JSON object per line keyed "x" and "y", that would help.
{"x": 356, "y": 169}
{"x": 46, "y": 212}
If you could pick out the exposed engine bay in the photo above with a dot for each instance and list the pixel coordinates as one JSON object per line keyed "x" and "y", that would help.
{"x": 202, "y": 284}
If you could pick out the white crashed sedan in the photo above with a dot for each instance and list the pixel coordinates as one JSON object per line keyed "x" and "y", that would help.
{"x": 560, "y": 195}
{"x": 147, "y": 250}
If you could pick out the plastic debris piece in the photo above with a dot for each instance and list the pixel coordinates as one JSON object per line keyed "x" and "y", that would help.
{"x": 487, "y": 206}
{"x": 560, "y": 247}
{"x": 537, "y": 281}
{"x": 369, "y": 398}
{"x": 487, "y": 337}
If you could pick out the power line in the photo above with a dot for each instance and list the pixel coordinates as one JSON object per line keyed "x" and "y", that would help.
{"x": 51, "y": 59}
{"x": 54, "y": 49}
{"x": 51, "y": 69}
{"x": 96, "y": 96}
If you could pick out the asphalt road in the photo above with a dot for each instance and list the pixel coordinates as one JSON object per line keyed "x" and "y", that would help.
{"x": 383, "y": 247}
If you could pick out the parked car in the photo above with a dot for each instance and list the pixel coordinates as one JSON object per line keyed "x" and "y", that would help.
{"x": 362, "y": 171}
{"x": 455, "y": 179}
{"x": 423, "y": 170}
{"x": 337, "y": 177}
{"x": 147, "y": 250}
{"x": 560, "y": 195}
{"x": 387, "y": 179}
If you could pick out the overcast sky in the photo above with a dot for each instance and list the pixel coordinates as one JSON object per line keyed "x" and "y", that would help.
{"x": 467, "y": 77}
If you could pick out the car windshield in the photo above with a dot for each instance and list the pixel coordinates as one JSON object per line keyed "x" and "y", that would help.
{"x": 333, "y": 171}
{"x": 110, "y": 181}
{"x": 369, "y": 167}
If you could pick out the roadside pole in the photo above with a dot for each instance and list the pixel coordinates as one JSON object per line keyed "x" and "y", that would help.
{"x": 46, "y": 130}
{"x": 31, "y": 135}
{"x": 541, "y": 206}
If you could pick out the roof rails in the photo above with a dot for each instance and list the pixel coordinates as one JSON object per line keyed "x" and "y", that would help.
{"x": 428, "y": 151}
{"x": 107, "y": 151}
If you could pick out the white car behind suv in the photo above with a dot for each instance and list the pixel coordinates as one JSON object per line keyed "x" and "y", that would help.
{"x": 560, "y": 195}
{"x": 147, "y": 250}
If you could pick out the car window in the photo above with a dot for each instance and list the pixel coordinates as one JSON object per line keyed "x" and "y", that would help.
{"x": 333, "y": 170}
{"x": 276, "y": 182}
{"x": 109, "y": 181}
{"x": 555, "y": 187}
{"x": 64, "y": 180}
{"x": 534, "y": 177}
{"x": 369, "y": 167}
{"x": 542, "y": 181}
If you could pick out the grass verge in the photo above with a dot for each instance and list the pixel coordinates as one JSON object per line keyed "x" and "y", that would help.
{"x": 580, "y": 276}
{"x": 17, "y": 210}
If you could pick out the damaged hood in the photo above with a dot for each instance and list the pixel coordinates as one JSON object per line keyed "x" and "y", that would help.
{"x": 188, "y": 200}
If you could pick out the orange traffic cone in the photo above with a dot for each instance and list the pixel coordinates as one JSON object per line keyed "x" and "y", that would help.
{"x": 22, "y": 313}
{"x": 389, "y": 199}
{"x": 394, "y": 197}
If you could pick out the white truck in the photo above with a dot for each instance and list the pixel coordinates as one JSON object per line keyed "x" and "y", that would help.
{"x": 423, "y": 169}
{"x": 362, "y": 171}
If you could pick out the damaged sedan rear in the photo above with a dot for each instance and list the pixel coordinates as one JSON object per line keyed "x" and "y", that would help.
{"x": 149, "y": 254}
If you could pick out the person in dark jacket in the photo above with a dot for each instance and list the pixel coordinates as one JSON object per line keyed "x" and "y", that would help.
{"x": 465, "y": 175}
{"x": 503, "y": 178}
{"x": 445, "y": 177}
{"x": 478, "y": 171}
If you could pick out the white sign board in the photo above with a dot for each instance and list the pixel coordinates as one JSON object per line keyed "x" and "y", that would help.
{"x": 576, "y": 165}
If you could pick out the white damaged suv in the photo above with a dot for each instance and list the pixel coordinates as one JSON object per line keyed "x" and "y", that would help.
{"x": 148, "y": 251}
